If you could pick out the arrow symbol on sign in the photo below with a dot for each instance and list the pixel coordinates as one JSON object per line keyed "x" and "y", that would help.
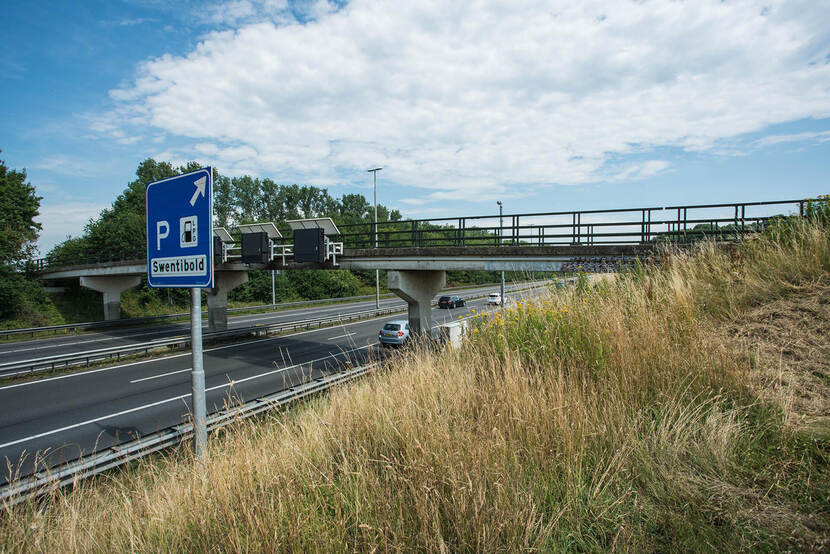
{"x": 200, "y": 189}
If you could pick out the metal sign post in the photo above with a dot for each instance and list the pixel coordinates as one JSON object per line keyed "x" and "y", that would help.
{"x": 180, "y": 254}
{"x": 197, "y": 375}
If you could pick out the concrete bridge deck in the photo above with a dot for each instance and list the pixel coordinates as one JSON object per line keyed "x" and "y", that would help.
{"x": 487, "y": 258}
{"x": 416, "y": 273}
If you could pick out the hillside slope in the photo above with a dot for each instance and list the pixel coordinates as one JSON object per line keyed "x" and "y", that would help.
{"x": 680, "y": 407}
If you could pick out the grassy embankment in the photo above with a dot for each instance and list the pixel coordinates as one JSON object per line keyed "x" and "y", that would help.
{"x": 680, "y": 408}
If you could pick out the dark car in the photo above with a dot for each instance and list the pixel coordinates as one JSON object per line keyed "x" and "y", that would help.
{"x": 450, "y": 302}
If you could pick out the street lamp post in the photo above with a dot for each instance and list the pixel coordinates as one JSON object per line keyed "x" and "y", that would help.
{"x": 374, "y": 173}
{"x": 501, "y": 232}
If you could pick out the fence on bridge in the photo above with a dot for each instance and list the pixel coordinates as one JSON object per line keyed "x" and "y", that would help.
{"x": 675, "y": 224}
{"x": 629, "y": 226}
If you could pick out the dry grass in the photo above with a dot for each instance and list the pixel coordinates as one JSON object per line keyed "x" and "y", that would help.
{"x": 789, "y": 339}
{"x": 621, "y": 416}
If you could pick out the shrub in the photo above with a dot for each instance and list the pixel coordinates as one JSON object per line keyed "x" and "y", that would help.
{"x": 21, "y": 297}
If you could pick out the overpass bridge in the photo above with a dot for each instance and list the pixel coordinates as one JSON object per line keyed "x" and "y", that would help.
{"x": 417, "y": 253}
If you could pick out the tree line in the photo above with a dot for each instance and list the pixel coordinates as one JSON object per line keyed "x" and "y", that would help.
{"x": 120, "y": 232}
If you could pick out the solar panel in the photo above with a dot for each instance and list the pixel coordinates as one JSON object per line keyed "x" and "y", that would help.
{"x": 223, "y": 234}
{"x": 324, "y": 223}
{"x": 265, "y": 227}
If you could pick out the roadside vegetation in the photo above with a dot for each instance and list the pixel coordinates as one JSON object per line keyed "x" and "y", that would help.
{"x": 680, "y": 407}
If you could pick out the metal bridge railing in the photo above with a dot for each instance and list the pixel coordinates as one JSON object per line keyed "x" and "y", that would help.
{"x": 631, "y": 226}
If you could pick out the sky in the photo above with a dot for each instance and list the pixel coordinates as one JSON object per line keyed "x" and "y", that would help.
{"x": 545, "y": 105}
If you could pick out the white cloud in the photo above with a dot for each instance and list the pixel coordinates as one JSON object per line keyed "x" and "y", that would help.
{"x": 63, "y": 164}
{"x": 642, "y": 170}
{"x": 134, "y": 21}
{"x": 63, "y": 219}
{"x": 464, "y": 99}
{"x": 241, "y": 11}
{"x": 413, "y": 201}
{"x": 772, "y": 140}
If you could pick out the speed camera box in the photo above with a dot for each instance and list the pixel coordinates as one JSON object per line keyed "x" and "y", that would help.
{"x": 309, "y": 245}
{"x": 255, "y": 248}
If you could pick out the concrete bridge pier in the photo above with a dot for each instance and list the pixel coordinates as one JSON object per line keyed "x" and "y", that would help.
{"x": 111, "y": 286}
{"x": 217, "y": 297}
{"x": 418, "y": 288}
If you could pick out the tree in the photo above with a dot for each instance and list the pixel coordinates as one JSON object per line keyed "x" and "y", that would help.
{"x": 19, "y": 207}
{"x": 247, "y": 199}
{"x": 222, "y": 199}
{"x": 120, "y": 231}
{"x": 354, "y": 208}
{"x": 323, "y": 283}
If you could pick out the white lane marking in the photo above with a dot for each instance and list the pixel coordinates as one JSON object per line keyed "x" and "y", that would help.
{"x": 86, "y": 341}
{"x": 235, "y": 345}
{"x": 83, "y": 373}
{"x": 341, "y": 336}
{"x": 90, "y": 372}
{"x": 159, "y": 376}
{"x": 87, "y": 422}
{"x": 324, "y": 358}
{"x": 180, "y": 397}
{"x": 281, "y": 314}
{"x": 266, "y": 316}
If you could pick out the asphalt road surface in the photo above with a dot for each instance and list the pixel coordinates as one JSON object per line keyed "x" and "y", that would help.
{"x": 69, "y": 344}
{"x": 58, "y": 419}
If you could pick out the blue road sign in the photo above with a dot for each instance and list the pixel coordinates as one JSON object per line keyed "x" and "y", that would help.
{"x": 180, "y": 231}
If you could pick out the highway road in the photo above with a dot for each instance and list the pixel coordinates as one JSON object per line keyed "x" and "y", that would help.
{"x": 68, "y": 344}
{"x": 75, "y": 414}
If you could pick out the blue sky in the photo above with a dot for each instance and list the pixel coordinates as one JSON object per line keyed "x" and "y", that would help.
{"x": 545, "y": 105}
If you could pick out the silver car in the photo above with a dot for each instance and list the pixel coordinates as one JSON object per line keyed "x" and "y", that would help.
{"x": 394, "y": 333}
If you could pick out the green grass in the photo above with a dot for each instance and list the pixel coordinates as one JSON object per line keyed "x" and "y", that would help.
{"x": 622, "y": 416}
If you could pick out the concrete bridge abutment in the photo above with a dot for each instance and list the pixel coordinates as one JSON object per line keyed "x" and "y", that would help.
{"x": 418, "y": 288}
{"x": 217, "y": 297}
{"x": 111, "y": 286}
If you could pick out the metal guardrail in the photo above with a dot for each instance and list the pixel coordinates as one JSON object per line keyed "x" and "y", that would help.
{"x": 52, "y": 363}
{"x": 6, "y": 333}
{"x": 41, "y": 482}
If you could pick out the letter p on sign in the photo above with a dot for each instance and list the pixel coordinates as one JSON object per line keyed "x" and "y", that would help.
{"x": 161, "y": 234}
